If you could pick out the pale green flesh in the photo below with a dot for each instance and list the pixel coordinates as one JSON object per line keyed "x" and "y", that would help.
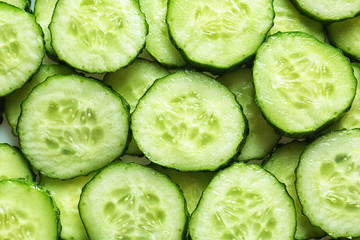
{"x": 13, "y": 101}
{"x": 288, "y": 19}
{"x": 282, "y": 164}
{"x": 262, "y": 137}
{"x": 351, "y": 119}
{"x": 217, "y": 33}
{"x": 192, "y": 184}
{"x": 31, "y": 216}
{"x": 151, "y": 207}
{"x": 328, "y": 183}
{"x": 105, "y": 35}
{"x": 19, "y": 59}
{"x": 301, "y": 83}
{"x": 67, "y": 195}
{"x": 12, "y": 164}
{"x": 194, "y": 123}
{"x": 43, "y": 12}
{"x": 345, "y": 35}
{"x": 132, "y": 82}
{"x": 326, "y": 10}
{"x": 73, "y": 132}
{"x": 243, "y": 202}
{"x": 158, "y": 43}
{"x": 17, "y": 3}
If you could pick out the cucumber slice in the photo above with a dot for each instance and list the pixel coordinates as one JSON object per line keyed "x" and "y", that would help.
{"x": 346, "y": 36}
{"x": 328, "y": 183}
{"x": 328, "y": 11}
{"x": 188, "y": 121}
{"x": 19, "y": 59}
{"x": 192, "y": 184}
{"x": 218, "y": 35}
{"x": 282, "y": 164}
{"x": 43, "y": 11}
{"x": 114, "y": 206}
{"x": 97, "y": 36}
{"x": 288, "y": 19}
{"x": 27, "y": 212}
{"x": 244, "y": 202}
{"x": 13, "y": 101}
{"x": 131, "y": 83}
{"x": 13, "y": 164}
{"x": 158, "y": 42}
{"x": 67, "y": 196}
{"x": 71, "y": 125}
{"x": 22, "y": 4}
{"x": 302, "y": 85}
{"x": 262, "y": 137}
{"x": 351, "y": 119}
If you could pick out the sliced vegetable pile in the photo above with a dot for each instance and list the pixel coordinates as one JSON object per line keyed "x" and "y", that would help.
{"x": 180, "y": 119}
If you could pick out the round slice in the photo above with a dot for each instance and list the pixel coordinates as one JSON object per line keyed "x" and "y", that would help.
{"x": 27, "y": 212}
{"x": 346, "y": 36}
{"x": 22, "y": 4}
{"x": 302, "y": 85}
{"x": 97, "y": 36}
{"x": 328, "y": 11}
{"x": 244, "y": 202}
{"x": 190, "y": 122}
{"x": 21, "y": 47}
{"x": 216, "y": 34}
{"x": 71, "y": 125}
{"x": 328, "y": 183}
{"x": 14, "y": 100}
{"x": 130, "y": 201}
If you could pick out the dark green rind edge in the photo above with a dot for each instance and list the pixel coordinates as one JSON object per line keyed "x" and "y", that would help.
{"x": 114, "y": 164}
{"x": 61, "y": 60}
{"x": 124, "y": 103}
{"x": 316, "y": 17}
{"x": 311, "y": 133}
{"x": 334, "y": 43}
{"x": 42, "y": 35}
{"x": 226, "y": 163}
{"x": 43, "y": 191}
{"x": 259, "y": 168}
{"x": 319, "y": 138}
{"x": 211, "y": 68}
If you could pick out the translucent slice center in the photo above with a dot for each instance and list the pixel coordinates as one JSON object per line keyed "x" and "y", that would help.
{"x": 15, "y": 224}
{"x": 9, "y": 48}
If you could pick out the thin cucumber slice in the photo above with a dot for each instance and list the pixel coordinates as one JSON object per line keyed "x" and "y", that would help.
{"x": 302, "y": 85}
{"x": 67, "y": 196}
{"x": 27, "y": 212}
{"x": 192, "y": 184}
{"x": 97, "y": 36}
{"x": 158, "y": 42}
{"x": 13, "y": 165}
{"x": 346, "y": 36}
{"x": 13, "y": 101}
{"x": 72, "y": 125}
{"x": 282, "y": 164}
{"x": 43, "y": 11}
{"x": 19, "y": 59}
{"x": 22, "y": 4}
{"x": 262, "y": 137}
{"x": 328, "y": 183}
{"x": 131, "y": 201}
{"x": 244, "y": 202}
{"x": 351, "y": 119}
{"x": 328, "y": 11}
{"x": 131, "y": 83}
{"x": 218, "y": 35}
{"x": 288, "y": 19}
{"x": 188, "y": 121}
